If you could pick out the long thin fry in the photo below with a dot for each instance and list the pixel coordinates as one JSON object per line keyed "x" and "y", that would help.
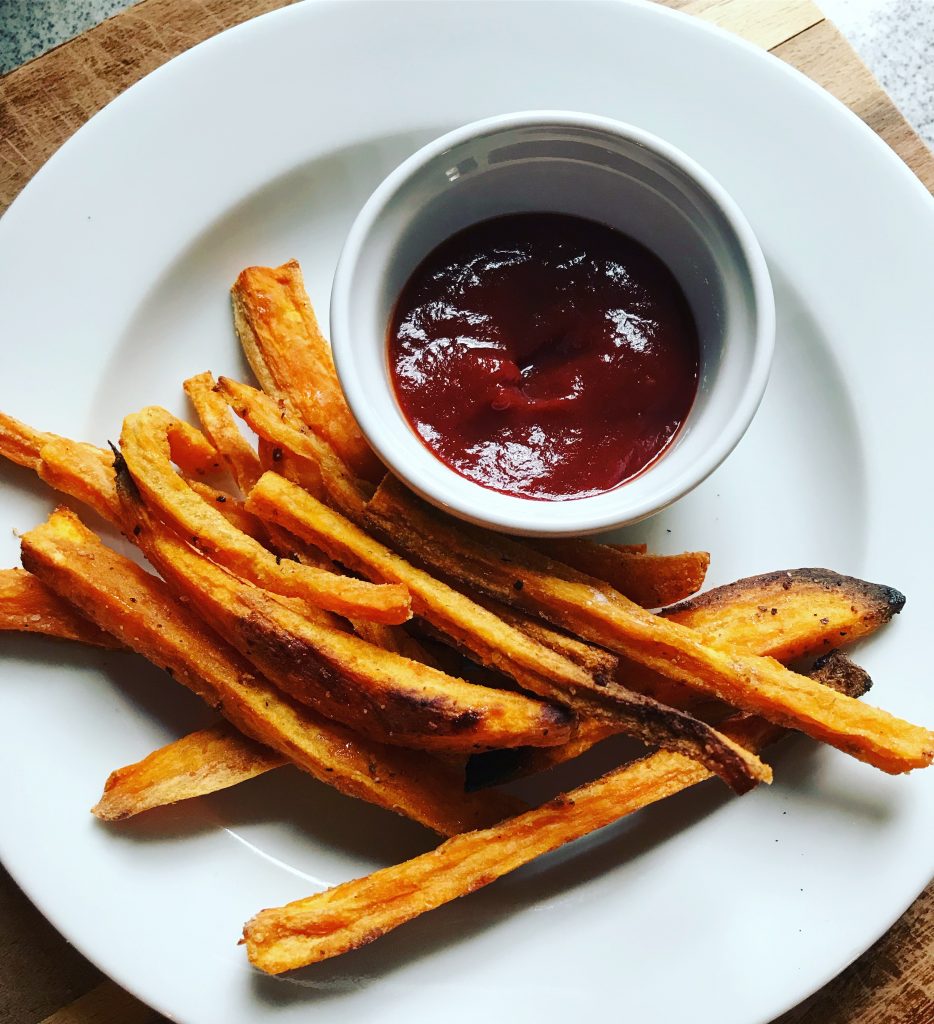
{"x": 311, "y": 457}
{"x": 754, "y": 684}
{"x": 534, "y": 666}
{"x": 599, "y": 663}
{"x": 291, "y": 359}
{"x": 781, "y": 614}
{"x": 144, "y": 446}
{"x": 84, "y": 471}
{"x": 218, "y": 424}
{"x": 355, "y": 913}
{"x": 649, "y": 580}
{"x": 379, "y": 694}
{"x": 20, "y": 443}
{"x": 135, "y": 606}
{"x": 28, "y": 606}
{"x": 231, "y": 508}
{"x": 200, "y": 763}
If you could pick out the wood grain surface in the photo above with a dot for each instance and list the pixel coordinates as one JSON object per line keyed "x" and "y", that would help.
{"x": 44, "y": 102}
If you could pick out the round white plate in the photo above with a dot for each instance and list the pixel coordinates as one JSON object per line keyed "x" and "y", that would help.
{"x": 261, "y": 145}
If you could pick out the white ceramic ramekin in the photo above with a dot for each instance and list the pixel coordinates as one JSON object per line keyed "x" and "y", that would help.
{"x": 592, "y": 167}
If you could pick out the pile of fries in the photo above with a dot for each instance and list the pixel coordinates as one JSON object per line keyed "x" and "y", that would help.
{"x": 338, "y": 623}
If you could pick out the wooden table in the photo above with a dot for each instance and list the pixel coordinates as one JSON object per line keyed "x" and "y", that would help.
{"x": 47, "y": 100}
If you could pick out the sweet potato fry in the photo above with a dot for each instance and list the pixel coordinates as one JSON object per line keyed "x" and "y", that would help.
{"x": 123, "y": 599}
{"x": 379, "y": 694}
{"x": 355, "y": 913}
{"x": 84, "y": 471}
{"x": 218, "y": 424}
{"x": 310, "y": 460}
{"x": 781, "y": 614}
{"x": 277, "y": 500}
{"x": 599, "y": 663}
{"x": 145, "y": 449}
{"x": 789, "y": 614}
{"x": 198, "y": 764}
{"x": 231, "y": 508}
{"x": 754, "y": 684}
{"x": 495, "y": 643}
{"x": 292, "y": 361}
{"x": 195, "y": 765}
{"x": 28, "y": 606}
{"x": 190, "y": 450}
{"x": 395, "y": 639}
{"x": 304, "y": 472}
{"x": 20, "y": 443}
{"x": 649, "y": 580}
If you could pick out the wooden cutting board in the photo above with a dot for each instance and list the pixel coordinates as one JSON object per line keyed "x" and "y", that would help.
{"x": 46, "y": 101}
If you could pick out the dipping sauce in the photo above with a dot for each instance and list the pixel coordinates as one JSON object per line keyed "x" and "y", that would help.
{"x": 544, "y": 355}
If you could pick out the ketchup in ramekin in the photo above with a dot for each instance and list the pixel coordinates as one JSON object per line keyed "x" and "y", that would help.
{"x": 544, "y": 355}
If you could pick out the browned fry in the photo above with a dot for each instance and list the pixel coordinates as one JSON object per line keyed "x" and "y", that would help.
{"x": 195, "y": 765}
{"x": 781, "y": 614}
{"x": 145, "y": 448}
{"x": 306, "y": 457}
{"x": 123, "y": 599}
{"x": 198, "y": 764}
{"x": 28, "y": 606}
{"x": 395, "y": 639}
{"x": 790, "y": 614}
{"x": 649, "y": 580}
{"x": 218, "y": 424}
{"x": 355, "y": 913}
{"x": 379, "y": 694}
{"x": 754, "y": 684}
{"x": 630, "y": 549}
{"x": 599, "y": 663}
{"x": 292, "y": 360}
{"x": 498, "y": 644}
{"x": 277, "y": 500}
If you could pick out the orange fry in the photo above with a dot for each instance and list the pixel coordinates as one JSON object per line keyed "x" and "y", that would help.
{"x": 84, "y": 471}
{"x": 218, "y": 424}
{"x": 754, "y": 684}
{"x": 123, "y": 599}
{"x": 292, "y": 361}
{"x": 198, "y": 764}
{"x": 789, "y": 614}
{"x": 497, "y": 644}
{"x": 781, "y": 614}
{"x": 649, "y": 580}
{"x": 144, "y": 446}
{"x": 309, "y": 457}
{"x": 379, "y": 694}
{"x": 355, "y": 913}
{"x": 28, "y": 606}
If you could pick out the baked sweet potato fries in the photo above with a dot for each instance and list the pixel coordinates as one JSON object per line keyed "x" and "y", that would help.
{"x": 336, "y": 623}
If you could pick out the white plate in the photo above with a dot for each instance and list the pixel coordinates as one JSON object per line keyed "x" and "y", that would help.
{"x": 260, "y": 145}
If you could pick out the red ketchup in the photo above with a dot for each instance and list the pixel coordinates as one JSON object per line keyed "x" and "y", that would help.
{"x": 544, "y": 355}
